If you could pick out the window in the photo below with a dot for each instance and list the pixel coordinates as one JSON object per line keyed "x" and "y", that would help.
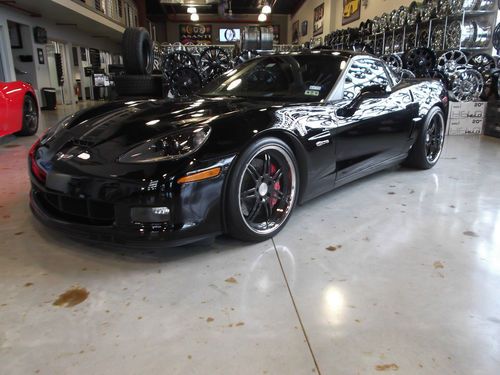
{"x": 119, "y": 8}
{"x": 363, "y": 73}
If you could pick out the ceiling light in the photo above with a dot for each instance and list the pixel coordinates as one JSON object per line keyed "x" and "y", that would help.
{"x": 191, "y": 10}
{"x": 195, "y": 17}
{"x": 262, "y": 17}
{"x": 266, "y": 9}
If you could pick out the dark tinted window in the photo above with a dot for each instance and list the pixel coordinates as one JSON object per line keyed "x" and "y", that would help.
{"x": 289, "y": 77}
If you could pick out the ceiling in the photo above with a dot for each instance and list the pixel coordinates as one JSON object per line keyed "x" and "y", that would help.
{"x": 156, "y": 7}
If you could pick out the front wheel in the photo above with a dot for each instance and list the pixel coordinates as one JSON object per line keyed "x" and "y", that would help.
{"x": 263, "y": 189}
{"x": 30, "y": 116}
{"x": 429, "y": 144}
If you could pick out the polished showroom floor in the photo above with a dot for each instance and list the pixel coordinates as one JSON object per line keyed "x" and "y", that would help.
{"x": 398, "y": 272}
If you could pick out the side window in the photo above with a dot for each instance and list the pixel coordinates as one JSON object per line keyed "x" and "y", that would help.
{"x": 362, "y": 73}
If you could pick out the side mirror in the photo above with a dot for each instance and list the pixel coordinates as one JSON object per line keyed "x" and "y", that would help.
{"x": 365, "y": 92}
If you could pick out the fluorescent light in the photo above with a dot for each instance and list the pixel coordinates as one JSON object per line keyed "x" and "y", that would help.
{"x": 266, "y": 9}
{"x": 195, "y": 17}
{"x": 262, "y": 17}
{"x": 191, "y": 10}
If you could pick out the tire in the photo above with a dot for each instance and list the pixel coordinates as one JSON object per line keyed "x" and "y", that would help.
{"x": 427, "y": 148}
{"x": 30, "y": 116}
{"x": 137, "y": 50}
{"x": 267, "y": 176}
{"x": 137, "y": 85}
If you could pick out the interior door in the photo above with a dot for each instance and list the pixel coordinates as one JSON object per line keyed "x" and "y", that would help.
{"x": 378, "y": 126}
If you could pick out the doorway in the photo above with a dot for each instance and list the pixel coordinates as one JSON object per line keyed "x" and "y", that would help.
{"x": 60, "y": 79}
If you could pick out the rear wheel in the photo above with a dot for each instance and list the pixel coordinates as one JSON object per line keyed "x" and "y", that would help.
{"x": 263, "y": 189}
{"x": 429, "y": 144}
{"x": 30, "y": 116}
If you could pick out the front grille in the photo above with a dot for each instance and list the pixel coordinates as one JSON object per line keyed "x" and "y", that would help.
{"x": 85, "y": 211}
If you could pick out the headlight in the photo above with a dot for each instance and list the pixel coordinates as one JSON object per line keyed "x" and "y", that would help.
{"x": 171, "y": 147}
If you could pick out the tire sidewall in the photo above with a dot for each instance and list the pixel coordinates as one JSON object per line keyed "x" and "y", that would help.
{"x": 432, "y": 112}
{"x": 26, "y": 130}
{"x": 236, "y": 224}
{"x": 137, "y": 46}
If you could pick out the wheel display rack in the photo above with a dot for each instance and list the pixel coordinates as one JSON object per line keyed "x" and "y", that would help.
{"x": 451, "y": 40}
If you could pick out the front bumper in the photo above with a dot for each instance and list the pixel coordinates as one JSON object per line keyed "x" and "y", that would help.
{"x": 100, "y": 211}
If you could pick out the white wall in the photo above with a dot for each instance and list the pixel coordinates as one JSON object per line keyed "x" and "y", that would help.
{"x": 374, "y": 8}
{"x": 68, "y": 34}
{"x": 306, "y": 13}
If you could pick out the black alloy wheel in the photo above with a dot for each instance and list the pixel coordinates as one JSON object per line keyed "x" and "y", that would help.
{"x": 30, "y": 116}
{"x": 263, "y": 190}
{"x": 185, "y": 82}
{"x": 428, "y": 146}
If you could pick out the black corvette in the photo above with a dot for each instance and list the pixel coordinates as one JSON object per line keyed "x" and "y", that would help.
{"x": 236, "y": 158}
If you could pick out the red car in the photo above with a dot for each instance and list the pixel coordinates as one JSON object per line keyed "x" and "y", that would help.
{"x": 18, "y": 109}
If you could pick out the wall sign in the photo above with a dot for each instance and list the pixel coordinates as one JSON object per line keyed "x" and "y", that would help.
{"x": 295, "y": 32}
{"x": 304, "y": 28}
{"x": 351, "y": 12}
{"x": 319, "y": 15}
{"x": 16, "y": 40}
{"x": 276, "y": 34}
{"x": 195, "y": 34}
{"x": 40, "y": 35}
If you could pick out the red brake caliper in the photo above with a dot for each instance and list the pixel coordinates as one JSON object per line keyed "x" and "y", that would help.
{"x": 276, "y": 186}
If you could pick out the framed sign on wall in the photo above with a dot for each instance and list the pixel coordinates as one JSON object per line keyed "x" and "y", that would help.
{"x": 276, "y": 34}
{"x": 295, "y": 32}
{"x": 304, "y": 28}
{"x": 319, "y": 15}
{"x": 195, "y": 34}
{"x": 351, "y": 11}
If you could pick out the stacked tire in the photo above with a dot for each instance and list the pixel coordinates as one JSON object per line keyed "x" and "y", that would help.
{"x": 138, "y": 80}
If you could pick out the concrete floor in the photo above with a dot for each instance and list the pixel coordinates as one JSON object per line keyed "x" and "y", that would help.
{"x": 413, "y": 284}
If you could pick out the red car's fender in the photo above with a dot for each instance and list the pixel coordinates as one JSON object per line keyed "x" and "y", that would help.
{"x": 11, "y": 105}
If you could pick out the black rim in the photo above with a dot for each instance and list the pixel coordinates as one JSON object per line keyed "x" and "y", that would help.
{"x": 267, "y": 190}
{"x": 434, "y": 138}
{"x": 30, "y": 114}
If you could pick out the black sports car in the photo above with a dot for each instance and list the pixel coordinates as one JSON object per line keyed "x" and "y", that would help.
{"x": 237, "y": 157}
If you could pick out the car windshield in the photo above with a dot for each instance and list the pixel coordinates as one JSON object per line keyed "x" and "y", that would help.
{"x": 286, "y": 77}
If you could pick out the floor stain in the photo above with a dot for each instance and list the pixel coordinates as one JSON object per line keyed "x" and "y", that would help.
{"x": 437, "y": 265}
{"x": 11, "y": 146}
{"x": 452, "y": 206}
{"x": 391, "y": 193}
{"x": 72, "y": 297}
{"x": 231, "y": 280}
{"x": 18, "y": 233}
{"x": 387, "y": 367}
{"x": 27, "y": 285}
{"x": 471, "y": 233}
{"x": 210, "y": 319}
{"x": 239, "y": 324}
{"x": 333, "y": 248}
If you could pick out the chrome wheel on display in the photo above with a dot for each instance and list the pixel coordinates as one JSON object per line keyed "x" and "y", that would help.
{"x": 468, "y": 34}
{"x": 394, "y": 20}
{"x": 402, "y": 16}
{"x": 376, "y": 24}
{"x": 413, "y": 15}
{"x": 483, "y": 34}
{"x": 434, "y": 138}
{"x": 410, "y": 41}
{"x": 423, "y": 38}
{"x": 496, "y": 38}
{"x": 214, "y": 61}
{"x": 429, "y": 10}
{"x": 384, "y": 22}
{"x": 388, "y": 45}
{"x": 267, "y": 190}
{"x": 456, "y": 6}
{"x": 453, "y": 35}
{"x": 466, "y": 85}
{"x": 437, "y": 37}
{"x": 450, "y": 61}
{"x": 407, "y": 74}
{"x": 439, "y": 75}
{"x": 444, "y": 8}
{"x": 469, "y": 5}
{"x": 398, "y": 43}
{"x": 394, "y": 62}
{"x": 420, "y": 61}
{"x": 483, "y": 63}
{"x": 486, "y": 5}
